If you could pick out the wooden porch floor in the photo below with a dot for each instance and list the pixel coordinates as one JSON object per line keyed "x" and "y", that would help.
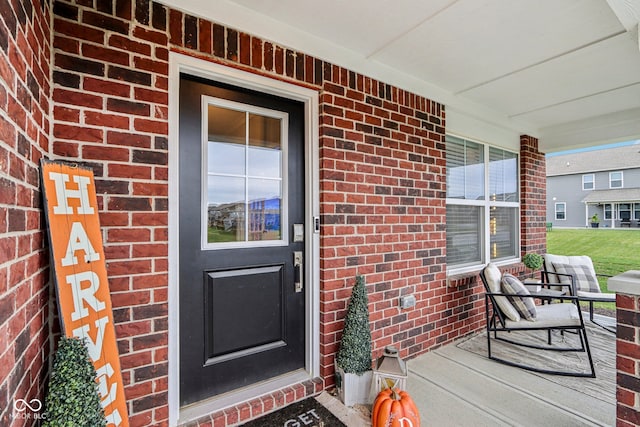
{"x": 457, "y": 385}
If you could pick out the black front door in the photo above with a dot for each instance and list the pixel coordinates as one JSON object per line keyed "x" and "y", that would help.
{"x": 242, "y": 305}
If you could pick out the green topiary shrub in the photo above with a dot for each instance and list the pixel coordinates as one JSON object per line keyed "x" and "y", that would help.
{"x": 354, "y": 355}
{"x": 533, "y": 261}
{"x": 72, "y": 399}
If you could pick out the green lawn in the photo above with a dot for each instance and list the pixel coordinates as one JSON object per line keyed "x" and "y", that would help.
{"x": 216, "y": 235}
{"x": 612, "y": 251}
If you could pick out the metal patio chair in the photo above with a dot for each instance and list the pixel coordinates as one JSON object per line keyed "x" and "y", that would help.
{"x": 502, "y": 320}
{"x": 578, "y": 271}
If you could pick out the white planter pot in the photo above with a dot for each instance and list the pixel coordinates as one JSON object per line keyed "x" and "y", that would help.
{"x": 353, "y": 389}
{"x": 532, "y": 284}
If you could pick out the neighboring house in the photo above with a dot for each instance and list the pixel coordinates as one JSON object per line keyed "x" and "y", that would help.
{"x": 604, "y": 182}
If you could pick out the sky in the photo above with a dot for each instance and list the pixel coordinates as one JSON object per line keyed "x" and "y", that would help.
{"x": 597, "y": 147}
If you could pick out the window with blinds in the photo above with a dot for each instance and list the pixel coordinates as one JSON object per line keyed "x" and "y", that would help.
{"x": 465, "y": 170}
{"x": 464, "y": 237}
{"x": 483, "y": 207}
{"x": 503, "y": 175}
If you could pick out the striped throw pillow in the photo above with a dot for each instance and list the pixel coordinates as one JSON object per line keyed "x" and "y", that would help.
{"x": 512, "y": 286}
{"x": 585, "y": 280}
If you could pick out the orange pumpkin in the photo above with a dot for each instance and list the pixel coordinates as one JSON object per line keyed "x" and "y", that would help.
{"x": 394, "y": 408}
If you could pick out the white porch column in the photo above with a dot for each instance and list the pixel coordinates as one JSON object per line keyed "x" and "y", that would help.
{"x": 586, "y": 215}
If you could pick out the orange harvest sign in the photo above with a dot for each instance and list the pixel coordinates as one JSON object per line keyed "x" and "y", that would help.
{"x": 80, "y": 275}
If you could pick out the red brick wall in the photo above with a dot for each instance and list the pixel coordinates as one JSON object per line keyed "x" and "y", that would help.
{"x": 533, "y": 193}
{"x": 110, "y": 112}
{"x": 383, "y": 212}
{"x": 24, "y": 274}
{"x": 628, "y": 360}
{"x": 382, "y": 190}
{"x": 382, "y": 186}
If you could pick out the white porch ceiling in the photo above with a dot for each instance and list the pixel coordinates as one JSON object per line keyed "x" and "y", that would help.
{"x": 565, "y": 71}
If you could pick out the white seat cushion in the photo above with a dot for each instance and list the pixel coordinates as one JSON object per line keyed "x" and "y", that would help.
{"x": 550, "y": 315}
{"x": 494, "y": 276}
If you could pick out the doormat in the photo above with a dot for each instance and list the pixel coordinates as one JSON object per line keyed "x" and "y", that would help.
{"x": 307, "y": 413}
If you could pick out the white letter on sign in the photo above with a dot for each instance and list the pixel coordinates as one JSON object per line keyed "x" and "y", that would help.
{"x": 78, "y": 240}
{"x": 63, "y": 194}
{"x": 95, "y": 348}
{"x": 108, "y": 394}
{"x": 87, "y": 294}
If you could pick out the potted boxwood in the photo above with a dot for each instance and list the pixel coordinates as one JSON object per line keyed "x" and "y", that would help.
{"x": 72, "y": 399}
{"x": 353, "y": 361}
{"x": 595, "y": 221}
{"x": 533, "y": 262}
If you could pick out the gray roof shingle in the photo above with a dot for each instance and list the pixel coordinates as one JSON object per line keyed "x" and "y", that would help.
{"x": 618, "y": 195}
{"x": 594, "y": 161}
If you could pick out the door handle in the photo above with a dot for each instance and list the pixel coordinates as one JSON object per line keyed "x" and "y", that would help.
{"x": 297, "y": 271}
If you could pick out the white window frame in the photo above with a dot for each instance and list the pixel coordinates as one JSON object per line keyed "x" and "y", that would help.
{"x": 284, "y": 174}
{"x": 487, "y": 204}
{"x": 593, "y": 182}
{"x": 612, "y": 180}
{"x": 611, "y": 211}
{"x": 555, "y": 211}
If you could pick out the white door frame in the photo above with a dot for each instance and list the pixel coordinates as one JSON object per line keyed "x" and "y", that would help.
{"x": 179, "y": 63}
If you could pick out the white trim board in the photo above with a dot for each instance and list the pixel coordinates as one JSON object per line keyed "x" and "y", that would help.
{"x": 179, "y": 63}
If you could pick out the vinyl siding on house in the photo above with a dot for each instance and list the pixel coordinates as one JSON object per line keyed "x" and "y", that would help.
{"x": 564, "y": 183}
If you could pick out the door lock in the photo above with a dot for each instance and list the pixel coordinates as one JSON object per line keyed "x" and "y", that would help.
{"x": 297, "y": 271}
